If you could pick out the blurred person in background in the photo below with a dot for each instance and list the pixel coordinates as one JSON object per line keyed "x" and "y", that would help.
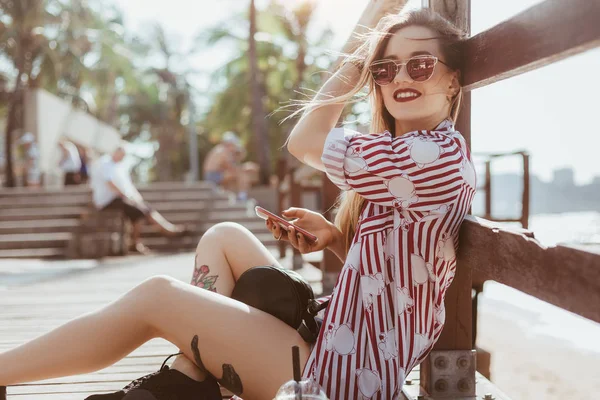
{"x": 85, "y": 160}
{"x": 113, "y": 189}
{"x": 223, "y": 166}
{"x": 70, "y": 162}
{"x": 31, "y": 158}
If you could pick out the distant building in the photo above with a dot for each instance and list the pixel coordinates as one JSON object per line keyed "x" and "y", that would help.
{"x": 563, "y": 177}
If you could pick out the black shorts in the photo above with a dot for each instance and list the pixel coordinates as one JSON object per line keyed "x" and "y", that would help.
{"x": 132, "y": 211}
{"x": 72, "y": 178}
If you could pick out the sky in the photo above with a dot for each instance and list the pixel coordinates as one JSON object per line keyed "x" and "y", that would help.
{"x": 550, "y": 112}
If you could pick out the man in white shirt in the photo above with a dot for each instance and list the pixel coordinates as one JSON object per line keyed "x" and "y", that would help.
{"x": 112, "y": 188}
{"x": 70, "y": 162}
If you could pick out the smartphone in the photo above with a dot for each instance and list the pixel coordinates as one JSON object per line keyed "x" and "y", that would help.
{"x": 264, "y": 214}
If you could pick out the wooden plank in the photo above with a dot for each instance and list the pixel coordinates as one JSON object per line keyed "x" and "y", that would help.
{"x": 564, "y": 276}
{"x": 543, "y": 34}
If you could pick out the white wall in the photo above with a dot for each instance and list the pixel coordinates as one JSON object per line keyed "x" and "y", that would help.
{"x": 48, "y": 117}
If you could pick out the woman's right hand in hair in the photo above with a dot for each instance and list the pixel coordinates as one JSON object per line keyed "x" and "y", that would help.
{"x": 377, "y": 9}
{"x": 310, "y": 221}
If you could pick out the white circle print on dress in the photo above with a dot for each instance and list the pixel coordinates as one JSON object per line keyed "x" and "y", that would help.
{"x": 403, "y": 190}
{"x": 341, "y": 340}
{"x": 369, "y": 382}
{"x": 404, "y": 302}
{"x": 353, "y": 162}
{"x": 468, "y": 172}
{"x": 421, "y": 270}
{"x": 387, "y": 344}
{"x": 424, "y": 151}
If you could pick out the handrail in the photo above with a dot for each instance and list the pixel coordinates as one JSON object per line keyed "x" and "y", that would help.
{"x": 564, "y": 276}
{"x": 541, "y": 35}
{"x": 487, "y": 187}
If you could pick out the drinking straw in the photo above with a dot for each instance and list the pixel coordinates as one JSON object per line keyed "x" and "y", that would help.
{"x": 296, "y": 363}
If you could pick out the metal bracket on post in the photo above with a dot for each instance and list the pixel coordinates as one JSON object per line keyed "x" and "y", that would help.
{"x": 451, "y": 374}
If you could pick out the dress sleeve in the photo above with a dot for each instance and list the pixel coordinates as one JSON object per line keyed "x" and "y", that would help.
{"x": 419, "y": 171}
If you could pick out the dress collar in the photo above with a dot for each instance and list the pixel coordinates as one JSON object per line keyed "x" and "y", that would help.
{"x": 445, "y": 125}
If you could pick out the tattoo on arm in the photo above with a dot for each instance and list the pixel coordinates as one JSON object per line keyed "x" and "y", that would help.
{"x": 201, "y": 278}
{"x": 230, "y": 379}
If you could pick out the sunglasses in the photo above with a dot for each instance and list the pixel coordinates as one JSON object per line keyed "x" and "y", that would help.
{"x": 419, "y": 69}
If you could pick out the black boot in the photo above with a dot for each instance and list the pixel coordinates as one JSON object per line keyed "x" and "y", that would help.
{"x": 166, "y": 384}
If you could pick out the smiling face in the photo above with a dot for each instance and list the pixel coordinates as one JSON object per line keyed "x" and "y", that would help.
{"x": 407, "y": 99}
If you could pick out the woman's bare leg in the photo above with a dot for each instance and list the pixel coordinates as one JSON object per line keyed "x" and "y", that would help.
{"x": 224, "y": 252}
{"x": 249, "y": 351}
{"x": 226, "y": 249}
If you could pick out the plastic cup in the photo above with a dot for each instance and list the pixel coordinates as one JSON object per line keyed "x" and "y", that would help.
{"x": 303, "y": 390}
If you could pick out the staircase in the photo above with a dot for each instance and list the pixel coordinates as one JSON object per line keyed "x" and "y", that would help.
{"x": 38, "y": 223}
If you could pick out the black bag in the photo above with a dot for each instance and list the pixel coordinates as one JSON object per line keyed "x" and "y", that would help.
{"x": 282, "y": 293}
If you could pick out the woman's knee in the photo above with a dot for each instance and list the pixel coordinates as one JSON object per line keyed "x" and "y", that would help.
{"x": 153, "y": 289}
{"x": 147, "y": 298}
{"x": 222, "y": 233}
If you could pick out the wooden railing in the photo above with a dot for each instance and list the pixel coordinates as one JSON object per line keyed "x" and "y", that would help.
{"x": 568, "y": 278}
{"x": 486, "y": 189}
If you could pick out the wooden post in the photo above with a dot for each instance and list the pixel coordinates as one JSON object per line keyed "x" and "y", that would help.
{"x": 457, "y": 333}
{"x": 488, "y": 189}
{"x": 525, "y": 199}
{"x": 281, "y": 173}
{"x": 295, "y": 194}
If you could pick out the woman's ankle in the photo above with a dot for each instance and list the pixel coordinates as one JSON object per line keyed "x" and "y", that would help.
{"x": 188, "y": 368}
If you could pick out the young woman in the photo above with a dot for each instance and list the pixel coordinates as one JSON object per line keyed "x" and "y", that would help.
{"x": 408, "y": 184}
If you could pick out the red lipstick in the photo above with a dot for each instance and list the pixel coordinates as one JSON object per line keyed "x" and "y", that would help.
{"x": 406, "y": 94}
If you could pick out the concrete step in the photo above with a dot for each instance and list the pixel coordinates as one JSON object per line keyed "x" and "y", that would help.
{"x": 33, "y": 253}
{"x": 34, "y": 241}
{"x": 38, "y": 226}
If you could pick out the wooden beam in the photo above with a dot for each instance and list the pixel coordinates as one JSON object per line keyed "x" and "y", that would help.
{"x": 458, "y": 332}
{"x": 564, "y": 276}
{"x": 541, "y": 35}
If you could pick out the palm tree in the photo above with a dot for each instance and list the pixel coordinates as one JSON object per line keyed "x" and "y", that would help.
{"x": 163, "y": 111}
{"x": 259, "y": 128}
{"x": 285, "y": 64}
{"x": 45, "y": 42}
{"x": 23, "y": 42}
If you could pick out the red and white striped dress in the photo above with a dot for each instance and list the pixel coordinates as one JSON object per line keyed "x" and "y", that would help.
{"x": 387, "y": 308}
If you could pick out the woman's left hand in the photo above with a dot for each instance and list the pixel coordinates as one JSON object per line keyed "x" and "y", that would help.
{"x": 310, "y": 221}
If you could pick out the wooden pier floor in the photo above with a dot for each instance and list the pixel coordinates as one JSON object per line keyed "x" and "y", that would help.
{"x": 30, "y": 310}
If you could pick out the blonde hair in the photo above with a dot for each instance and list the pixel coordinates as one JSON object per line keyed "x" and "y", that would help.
{"x": 350, "y": 203}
